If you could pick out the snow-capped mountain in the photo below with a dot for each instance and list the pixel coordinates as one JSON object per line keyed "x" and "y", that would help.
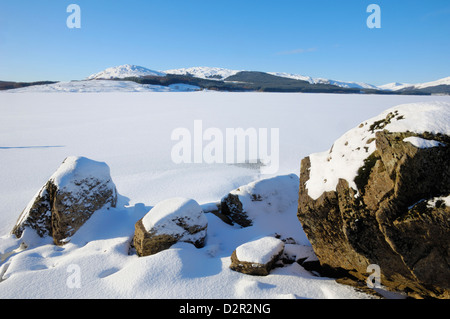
{"x": 221, "y": 74}
{"x": 202, "y": 72}
{"x": 444, "y": 81}
{"x": 293, "y": 76}
{"x": 124, "y": 71}
{"x": 344, "y": 84}
{"x": 394, "y": 86}
{"x": 215, "y": 78}
{"x": 399, "y": 86}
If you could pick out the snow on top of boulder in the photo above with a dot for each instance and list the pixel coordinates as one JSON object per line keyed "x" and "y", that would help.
{"x": 124, "y": 71}
{"x": 172, "y": 216}
{"x": 77, "y": 168}
{"x": 270, "y": 204}
{"x": 348, "y": 153}
{"x": 77, "y": 180}
{"x": 421, "y": 142}
{"x": 441, "y": 200}
{"x": 275, "y": 194}
{"x": 260, "y": 251}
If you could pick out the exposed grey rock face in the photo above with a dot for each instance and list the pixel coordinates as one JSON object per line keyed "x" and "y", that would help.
{"x": 73, "y": 193}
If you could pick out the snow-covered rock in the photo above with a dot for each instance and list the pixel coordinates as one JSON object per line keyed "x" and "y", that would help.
{"x": 260, "y": 251}
{"x": 421, "y": 142}
{"x": 124, "y": 71}
{"x": 78, "y": 188}
{"x": 267, "y": 196}
{"x": 257, "y": 257}
{"x": 368, "y": 200}
{"x": 348, "y": 153}
{"x": 170, "y": 221}
{"x": 439, "y": 201}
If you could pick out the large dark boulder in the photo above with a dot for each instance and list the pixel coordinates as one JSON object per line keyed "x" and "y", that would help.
{"x": 394, "y": 212}
{"x": 73, "y": 193}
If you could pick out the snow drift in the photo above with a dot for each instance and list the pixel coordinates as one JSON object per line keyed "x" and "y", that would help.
{"x": 131, "y": 133}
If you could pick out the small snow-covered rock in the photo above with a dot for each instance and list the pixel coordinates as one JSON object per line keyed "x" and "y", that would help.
{"x": 170, "y": 221}
{"x": 73, "y": 193}
{"x": 257, "y": 257}
{"x": 271, "y": 195}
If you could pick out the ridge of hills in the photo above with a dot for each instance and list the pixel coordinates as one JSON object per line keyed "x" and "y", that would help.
{"x": 220, "y": 79}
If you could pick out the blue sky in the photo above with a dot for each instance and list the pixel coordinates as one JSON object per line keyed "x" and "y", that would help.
{"x": 320, "y": 38}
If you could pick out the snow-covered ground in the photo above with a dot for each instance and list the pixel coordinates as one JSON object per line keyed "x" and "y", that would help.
{"x": 132, "y": 134}
{"x": 104, "y": 86}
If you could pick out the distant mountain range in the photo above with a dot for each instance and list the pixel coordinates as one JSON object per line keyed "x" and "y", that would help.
{"x": 428, "y": 85}
{"x": 267, "y": 81}
{"x": 223, "y": 74}
{"x": 221, "y": 79}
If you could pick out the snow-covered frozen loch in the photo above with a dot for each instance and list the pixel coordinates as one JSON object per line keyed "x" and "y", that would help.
{"x": 132, "y": 133}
